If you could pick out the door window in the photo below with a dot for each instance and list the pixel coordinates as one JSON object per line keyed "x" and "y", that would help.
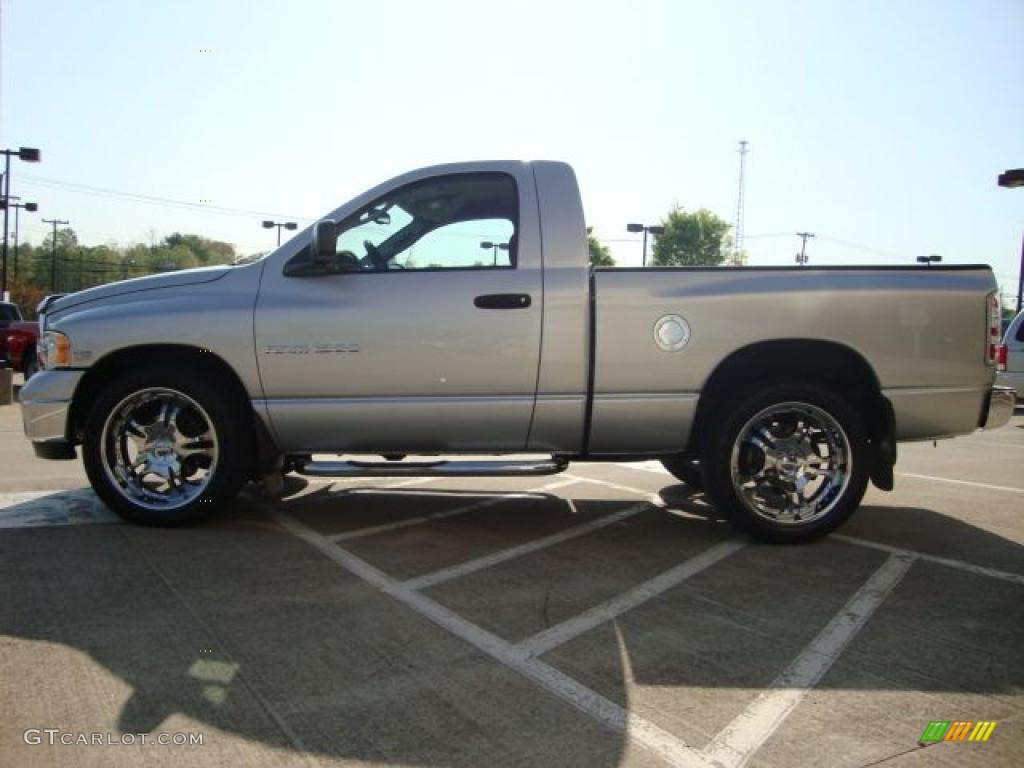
{"x": 462, "y": 221}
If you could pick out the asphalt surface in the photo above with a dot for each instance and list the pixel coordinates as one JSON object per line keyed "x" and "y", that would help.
{"x": 604, "y": 616}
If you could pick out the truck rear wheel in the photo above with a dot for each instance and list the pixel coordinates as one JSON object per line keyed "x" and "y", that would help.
{"x": 165, "y": 449}
{"x": 790, "y": 463}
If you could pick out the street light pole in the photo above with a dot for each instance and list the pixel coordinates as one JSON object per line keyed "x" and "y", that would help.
{"x": 1012, "y": 179}
{"x": 53, "y": 253}
{"x": 289, "y": 225}
{"x": 652, "y": 228}
{"x": 31, "y": 208}
{"x": 487, "y": 244}
{"x": 29, "y": 155}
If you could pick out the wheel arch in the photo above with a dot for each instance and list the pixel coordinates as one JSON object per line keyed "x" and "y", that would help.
{"x": 204, "y": 362}
{"x": 831, "y": 364}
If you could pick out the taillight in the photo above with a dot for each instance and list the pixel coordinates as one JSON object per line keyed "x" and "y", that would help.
{"x": 1001, "y": 357}
{"x": 994, "y": 323}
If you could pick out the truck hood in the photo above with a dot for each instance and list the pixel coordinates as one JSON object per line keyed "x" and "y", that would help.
{"x": 135, "y": 285}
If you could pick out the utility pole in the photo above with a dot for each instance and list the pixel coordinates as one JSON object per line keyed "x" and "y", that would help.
{"x": 738, "y": 232}
{"x": 53, "y": 252}
{"x": 801, "y": 258}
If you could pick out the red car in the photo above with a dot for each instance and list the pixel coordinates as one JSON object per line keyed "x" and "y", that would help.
{"x": 22, "y": 336}
{"x": 9, "y": 313}
{"x": 18, "y": 338}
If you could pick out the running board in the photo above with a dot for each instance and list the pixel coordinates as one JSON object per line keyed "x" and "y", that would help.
{"x": 430, "y": 468}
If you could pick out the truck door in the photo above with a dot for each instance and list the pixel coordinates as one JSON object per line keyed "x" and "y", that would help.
{"x": 423, "y": 332}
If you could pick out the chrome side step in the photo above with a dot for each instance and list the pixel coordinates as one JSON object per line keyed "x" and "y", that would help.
{"x": 497, "y": 468}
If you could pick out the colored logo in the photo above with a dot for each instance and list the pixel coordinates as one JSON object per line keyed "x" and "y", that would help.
{"x": 958, "y": 730}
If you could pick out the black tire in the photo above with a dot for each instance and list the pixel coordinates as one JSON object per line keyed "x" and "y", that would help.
{"x": 226, "y": 423}
{"x": 30, "y": 365}
{"x": 771, "y": 476}
{"x": 686, "y": 470}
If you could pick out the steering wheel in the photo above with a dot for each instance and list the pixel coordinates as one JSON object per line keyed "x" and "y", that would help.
{"x": 379, "y": 262}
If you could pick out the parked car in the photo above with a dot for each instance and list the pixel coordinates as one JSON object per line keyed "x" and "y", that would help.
{"x": 1011, "y": 357}
{"x": 9, "y": 313}
{"x": 381, "y": 330}
{"x": 22, "y": 337}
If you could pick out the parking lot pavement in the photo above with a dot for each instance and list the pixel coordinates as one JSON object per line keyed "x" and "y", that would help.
{"x": 604, "y": 616}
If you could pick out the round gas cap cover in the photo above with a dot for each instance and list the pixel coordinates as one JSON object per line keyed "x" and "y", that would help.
{"x": 671, "y": 333}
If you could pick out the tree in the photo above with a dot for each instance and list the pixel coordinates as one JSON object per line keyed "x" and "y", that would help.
{"x": 67, "y": 244}
{"x": 692, "y": 239}
{"x": 205, "y": 251}
{"x": 600, "y": 256}
{"x": 164, "y": 259}
{"x": 25, "y": 294}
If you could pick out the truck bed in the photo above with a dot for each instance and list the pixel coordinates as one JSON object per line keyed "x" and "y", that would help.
{"x": 922, "y": 329}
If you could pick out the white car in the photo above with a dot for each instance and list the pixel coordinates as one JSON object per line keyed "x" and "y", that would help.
{"x": 1011, "y": 357}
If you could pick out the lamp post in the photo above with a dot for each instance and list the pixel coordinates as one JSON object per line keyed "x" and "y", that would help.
{"x": 1012, "y": 179}
{"x": 289, "y": 225}
{"x": 652, "y": 229}
{"x": 496, "y": 246}
{"x": 931, "y": 258}
{"x": 31, "y": 208}
{"x": 29, "y": 155}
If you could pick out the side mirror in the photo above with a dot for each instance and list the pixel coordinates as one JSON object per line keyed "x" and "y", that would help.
{"x": 325, "y": 241}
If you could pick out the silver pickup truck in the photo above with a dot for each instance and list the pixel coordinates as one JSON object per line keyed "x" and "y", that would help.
{"x": 452, "y": 311}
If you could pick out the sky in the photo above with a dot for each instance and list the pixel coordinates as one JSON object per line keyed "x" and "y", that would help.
{"x": 879, "y": 126}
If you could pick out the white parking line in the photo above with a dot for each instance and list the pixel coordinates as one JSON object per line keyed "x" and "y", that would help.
{"x": 399, "y": 524}
{"x": 471, "y": 566}
{"x": 1007, "y": 488}
{"x": 555, "y": 636}
{"x": 647, "y": 466}
{"x": 739, "y": 740}
{"x": 671, "y": 749}
{"x": 656, "y": 468}
{"x": 654, "y": 498}
{"x": 980, "y": 570}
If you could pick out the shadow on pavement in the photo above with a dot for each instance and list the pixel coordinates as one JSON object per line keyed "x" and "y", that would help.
{"x": 248, "y": 629}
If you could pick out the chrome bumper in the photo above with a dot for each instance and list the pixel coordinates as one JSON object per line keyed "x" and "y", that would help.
{"x": 45, "y": 404}
{"x": 1001, "y": 401}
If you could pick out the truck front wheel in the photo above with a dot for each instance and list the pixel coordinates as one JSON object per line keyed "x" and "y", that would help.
{"x": 686, "y": 470}
{"x": 789, "y": 464}
{"x": 29, "y": 365}
{"x": 162, "y": 448}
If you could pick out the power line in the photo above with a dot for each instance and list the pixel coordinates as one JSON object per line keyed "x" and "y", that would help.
{"x": 864, "y": 248}
{"x": 88, "y": 189}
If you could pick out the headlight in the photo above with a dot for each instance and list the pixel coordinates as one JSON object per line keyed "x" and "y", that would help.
{"x": 54, "y": 350}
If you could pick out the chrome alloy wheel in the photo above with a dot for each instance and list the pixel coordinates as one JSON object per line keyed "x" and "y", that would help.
{"x": 791, "y": 463}
{"x": 159, "y": 448}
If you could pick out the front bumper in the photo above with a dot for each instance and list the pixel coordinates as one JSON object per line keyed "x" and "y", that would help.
{"x": 1000, "y": 406}
{"x": 45, "y": 407}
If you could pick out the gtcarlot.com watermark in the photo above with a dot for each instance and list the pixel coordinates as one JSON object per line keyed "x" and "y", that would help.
{"x": 54, "y": 736}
